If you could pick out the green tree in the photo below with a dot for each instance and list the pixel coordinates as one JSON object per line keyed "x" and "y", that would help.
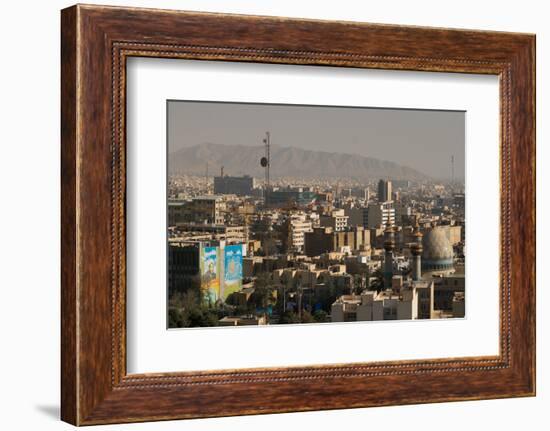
{"x": 307, "y": 317}
{"x": 201, "y": 317}
{"x": 320, "y": 316}
{"x": 188, "y": 309}
{"x": 263, "y": 295}
{"x": 177, "y": 318}
{"x": 289, "y": 317}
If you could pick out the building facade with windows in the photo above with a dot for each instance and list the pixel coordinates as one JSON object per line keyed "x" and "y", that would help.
{"x": 229, "y": 185}
{"x": 337, "y": 220}
{"x": 207, "y": 209}
{"x": 379, "y": 214}
{"x": 384, "y": 191}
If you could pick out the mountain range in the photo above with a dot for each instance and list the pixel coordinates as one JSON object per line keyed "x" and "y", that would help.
{"x": 285, "y": 162}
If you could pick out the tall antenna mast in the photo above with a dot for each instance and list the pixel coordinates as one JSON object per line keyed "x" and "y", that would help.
{"x": 265, "y": 162}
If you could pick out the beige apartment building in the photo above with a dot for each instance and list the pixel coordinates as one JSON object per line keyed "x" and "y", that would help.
{"x": 208, "y": 209}
{"x": 337, "y": 220}
{"x": 326, "y": 240}
{"x": 374, "y": 215}
{"x": 412, "y": 300}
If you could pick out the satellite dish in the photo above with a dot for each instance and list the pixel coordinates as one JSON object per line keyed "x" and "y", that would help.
{"x": 263, "y": 162}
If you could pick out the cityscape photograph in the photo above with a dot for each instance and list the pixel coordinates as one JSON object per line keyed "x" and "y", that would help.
{"x": 304, "y": 214}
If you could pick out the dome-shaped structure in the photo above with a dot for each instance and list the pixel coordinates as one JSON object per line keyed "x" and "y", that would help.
{"x": 437, "y": 253}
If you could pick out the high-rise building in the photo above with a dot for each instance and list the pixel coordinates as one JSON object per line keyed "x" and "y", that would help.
{"x": 215, "y": 268}
{"x": 234, "y": 234}
{"x": 355, "y": 215}
{"x": 183, "y": 267}
{"x": 294, "y": 230}
{"x": 403, "y": 213}
{"x": 228, "y": 185}
{"x": 176, "y": 212}
{"x": 207, "y": 209}
{"x": 384, "y": 191}
{"x": 337, "y": 220}
{"x": 325, "y": 240}
{"x": 372, "y": 216}
{"x": 378, "y": 214}
{"x": 291, "y": 196}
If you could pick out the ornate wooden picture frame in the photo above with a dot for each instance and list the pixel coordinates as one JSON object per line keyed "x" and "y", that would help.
{"x": 96, "y": 41}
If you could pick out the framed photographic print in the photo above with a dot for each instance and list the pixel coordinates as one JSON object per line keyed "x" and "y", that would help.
{"x": 268, "y": 215}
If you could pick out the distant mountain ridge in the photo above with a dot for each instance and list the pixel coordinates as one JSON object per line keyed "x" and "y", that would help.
{"x": 285, "y": 162}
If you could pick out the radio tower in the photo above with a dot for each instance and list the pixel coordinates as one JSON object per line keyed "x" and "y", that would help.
{"x": 265, "y": 162}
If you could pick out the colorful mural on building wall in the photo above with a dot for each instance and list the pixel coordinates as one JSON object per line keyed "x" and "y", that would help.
{"x": 233, "y": 265}
{"x": 210, "y": 273}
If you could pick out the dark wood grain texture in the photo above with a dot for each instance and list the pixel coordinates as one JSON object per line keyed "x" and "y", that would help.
{"x": 95, "y": 42}
{"x": 69, "y": 367}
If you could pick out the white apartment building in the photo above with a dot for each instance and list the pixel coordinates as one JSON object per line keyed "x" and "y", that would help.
{"x": 337, "y": 220}
{"x": 297, "y": 225}
{"x": 378, "y": 214}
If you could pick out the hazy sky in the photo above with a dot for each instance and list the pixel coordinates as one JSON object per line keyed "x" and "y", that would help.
{"x": 422, "y": 140}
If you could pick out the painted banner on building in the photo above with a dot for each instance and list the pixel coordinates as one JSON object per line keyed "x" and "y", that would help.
{"x": 233, "y": 265}
{"x": 210, "y": 273}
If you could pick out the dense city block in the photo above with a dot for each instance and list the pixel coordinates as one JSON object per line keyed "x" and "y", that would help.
{"x": 244, "y": 250}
